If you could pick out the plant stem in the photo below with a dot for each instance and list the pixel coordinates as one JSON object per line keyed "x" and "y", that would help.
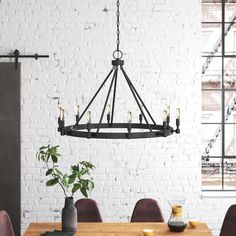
{"x": 53, "y": 175}
{"x": 59, "y": 182}
{"x": 63, "y": 189}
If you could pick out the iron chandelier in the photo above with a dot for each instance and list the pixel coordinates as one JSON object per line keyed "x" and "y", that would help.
{"x": 93, "y": 130}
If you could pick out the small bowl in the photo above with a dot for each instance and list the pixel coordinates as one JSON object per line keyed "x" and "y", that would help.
{"x": 148, "y": 232}
{"x": 193, "y": 223}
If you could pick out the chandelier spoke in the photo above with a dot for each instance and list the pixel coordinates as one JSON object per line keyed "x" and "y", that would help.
{"x": 139, "y": 98}
{"x": 95, "y": 95}
{"x": 140, "y": 108}
{"x": 108, "y": 95}
{"x": 114, "y": 98}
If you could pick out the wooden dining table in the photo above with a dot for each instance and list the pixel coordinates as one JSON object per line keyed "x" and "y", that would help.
{"x": 118, "y": 229}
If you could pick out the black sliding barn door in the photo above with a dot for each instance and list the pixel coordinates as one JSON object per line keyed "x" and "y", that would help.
{"x": 10, "y": 142}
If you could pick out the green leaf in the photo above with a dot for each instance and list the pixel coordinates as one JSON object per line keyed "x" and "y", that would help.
{"x": 84, "y": 183}
{"x": 42, "y": 157}
{"x": 58, "y": 171}
{"x": 54, "y": 158}
{"x": 71, "y": 179}
{"x": 49, "y": 171}
{"x": 87, "y": 165}
{"x": 53, "y": 150}
{"x": 52, "y": 182}
{"x": 76, "y": 188}
{"x": 65, "y": 182}
{"x": 84, "y": 192}
{"x": 82, "y": 172}
{"x": 47, "y": 156}
{"x": 91, "y": 185}
{"x": 44, "y": 147}
{"x": 75, "y": 168}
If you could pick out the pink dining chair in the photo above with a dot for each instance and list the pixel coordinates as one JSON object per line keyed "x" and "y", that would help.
{"x": 229, "y": 224}
{"x": 5, "y": 224}
{"x": 147, "y": 210}
{"x": 87, "y": 210}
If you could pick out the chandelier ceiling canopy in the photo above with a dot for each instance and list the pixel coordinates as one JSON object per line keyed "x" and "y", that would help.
{"x": 146, "y": 128}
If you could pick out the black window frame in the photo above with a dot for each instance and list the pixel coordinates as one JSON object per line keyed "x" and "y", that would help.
{"x": 223, "y": 55}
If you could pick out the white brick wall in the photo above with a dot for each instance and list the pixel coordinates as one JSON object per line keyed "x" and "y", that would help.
{"x": 161, "y": 44}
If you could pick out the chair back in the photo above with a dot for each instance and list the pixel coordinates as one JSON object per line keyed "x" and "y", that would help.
{"x": 229, "y": 224}
{"x": 147, "y": 210}
{"x": 87, "y": 210}
{"x": 5, "y": 224}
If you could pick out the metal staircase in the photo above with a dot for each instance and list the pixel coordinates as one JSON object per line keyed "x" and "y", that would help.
{"x": 218, "y": 44}
{"x": 229, "y": 109}
{"x": 232, "y": 102}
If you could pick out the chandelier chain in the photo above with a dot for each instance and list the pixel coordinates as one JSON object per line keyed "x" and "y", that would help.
{"x": 118, "y": 25}
{"x": 117, "y": 54}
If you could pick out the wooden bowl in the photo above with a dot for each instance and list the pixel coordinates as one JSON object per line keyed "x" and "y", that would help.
{"x": 193, "y": 223}
{"x": 148, "y": 232}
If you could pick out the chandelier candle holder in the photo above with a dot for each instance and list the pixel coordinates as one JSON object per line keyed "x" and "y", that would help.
{"x": 146, "y": 128}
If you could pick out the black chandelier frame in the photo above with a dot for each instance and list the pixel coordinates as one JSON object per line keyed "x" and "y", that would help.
{"x": 85, "y": 130}
{"x": 151, "y": 130}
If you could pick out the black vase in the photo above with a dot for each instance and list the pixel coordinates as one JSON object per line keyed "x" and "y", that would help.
{"x": 69, "y": 216}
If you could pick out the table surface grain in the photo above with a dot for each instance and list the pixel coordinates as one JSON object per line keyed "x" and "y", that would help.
{"x": 118, "y": 229}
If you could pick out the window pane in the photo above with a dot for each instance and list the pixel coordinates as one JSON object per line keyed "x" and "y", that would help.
{"x": 230, "y": 174}
{"x": 230, "y": 73}
{"x": 211, "y": 80}
{"x": 211, "y": 140}
{"x": 230, "y": 10}
{"x": 230, "y": 38}
{"x": 230, "y": 141}
{"x": 211, "y": 71}
{"x": 211, "y": 106}
{"x": 209, "y": 38}
{"x": 211, "y": 11}
{"x": 212, "y": 174}
{"x": 230, "y": 106}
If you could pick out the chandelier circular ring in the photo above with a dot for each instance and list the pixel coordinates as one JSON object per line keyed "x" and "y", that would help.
{"x": 117, "y": 54}
{"x": 80, "y": 130}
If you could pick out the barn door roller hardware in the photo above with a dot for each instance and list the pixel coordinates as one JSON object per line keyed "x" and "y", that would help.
{"x": 17, "y": 55}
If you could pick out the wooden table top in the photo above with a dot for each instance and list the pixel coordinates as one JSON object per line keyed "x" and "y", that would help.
{"x": 118, "y": 229}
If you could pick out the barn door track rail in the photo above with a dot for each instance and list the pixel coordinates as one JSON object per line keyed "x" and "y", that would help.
{"x": 17, "y": 55}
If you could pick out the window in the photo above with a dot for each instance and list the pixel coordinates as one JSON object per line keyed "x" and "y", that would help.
{"x": 219, "y": 95}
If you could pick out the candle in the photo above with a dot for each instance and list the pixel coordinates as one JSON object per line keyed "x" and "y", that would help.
{"x": 59, "y": 113}
{"x": 62, "y": 114}
{"x": 109, "y": 109}
{"x": 77, "y": 110}
{"x": 164, "y": 116}
{"x": 89, "y": 117}
{"x": 168, "y": 110}
{"x": 129, "y": 116}
{"x": 178, "y": 113}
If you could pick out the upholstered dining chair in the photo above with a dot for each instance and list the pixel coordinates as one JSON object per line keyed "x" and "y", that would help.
{"x": 5, "y": 224}
{"x": 229, "y": 224}
{"x": 147, "y": 210}
{"x": 87, "y": 210}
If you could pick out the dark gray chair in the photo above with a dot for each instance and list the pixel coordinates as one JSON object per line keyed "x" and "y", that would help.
{"x": 147, "y": 210}
{"x": 5, "y": 224}
{"x": 87, "y": 210}
{"x": 229, "y": 225}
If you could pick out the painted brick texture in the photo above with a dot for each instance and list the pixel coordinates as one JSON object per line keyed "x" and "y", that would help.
{"x": 161, "y": 44}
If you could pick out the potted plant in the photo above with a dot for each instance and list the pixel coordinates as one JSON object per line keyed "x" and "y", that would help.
{"x": 78, "y": 179}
